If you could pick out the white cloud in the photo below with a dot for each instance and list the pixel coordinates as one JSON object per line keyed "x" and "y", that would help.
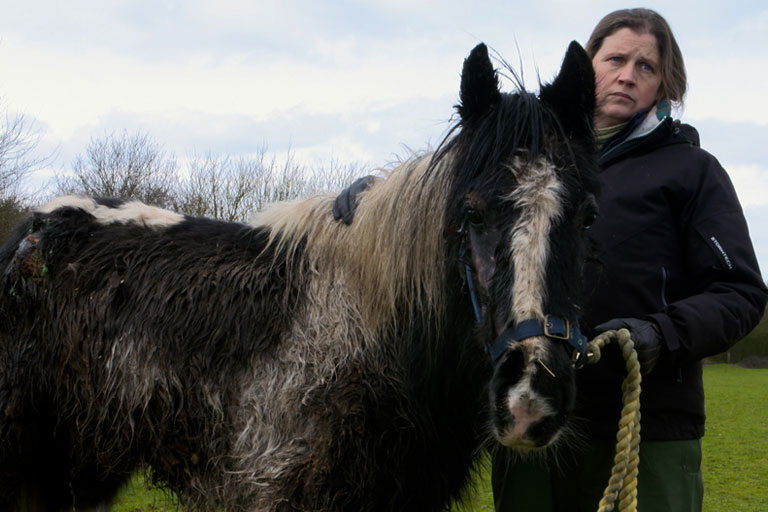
{"x": 728, "y": 88}
{"x": 751, "y": 183}
{"x": 727, "y": 63}
{"x": 69, "y": 91}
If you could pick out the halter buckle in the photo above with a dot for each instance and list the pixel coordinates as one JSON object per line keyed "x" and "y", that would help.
{"x": 558, "y": 328}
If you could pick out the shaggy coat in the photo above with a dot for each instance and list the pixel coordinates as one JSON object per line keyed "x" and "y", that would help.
{"x": 297, "y": 363}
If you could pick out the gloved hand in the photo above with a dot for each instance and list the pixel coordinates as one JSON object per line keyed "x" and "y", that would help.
{"x": 346, "y": 202}
{"x": 646, "y": 336}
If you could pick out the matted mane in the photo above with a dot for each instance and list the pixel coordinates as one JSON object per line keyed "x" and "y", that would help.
{"x": 392, "y": 258}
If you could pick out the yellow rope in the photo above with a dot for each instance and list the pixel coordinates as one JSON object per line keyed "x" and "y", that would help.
{"x": 623, "y": 482}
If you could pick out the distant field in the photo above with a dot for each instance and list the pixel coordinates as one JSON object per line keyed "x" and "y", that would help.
{"x": 735, "y": 450}
{"x": 753, "y": 349}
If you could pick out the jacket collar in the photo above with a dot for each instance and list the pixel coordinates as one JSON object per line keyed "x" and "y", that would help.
{"x": 639, "y": 128}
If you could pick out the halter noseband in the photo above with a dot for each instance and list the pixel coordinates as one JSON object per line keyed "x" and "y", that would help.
{"x": 553, "y": 327}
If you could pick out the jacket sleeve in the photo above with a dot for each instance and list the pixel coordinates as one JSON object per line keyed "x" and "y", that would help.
{"x": 728, "y": 295}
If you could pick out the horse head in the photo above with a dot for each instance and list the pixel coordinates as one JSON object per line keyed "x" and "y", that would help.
{"x": 523, "y": 198}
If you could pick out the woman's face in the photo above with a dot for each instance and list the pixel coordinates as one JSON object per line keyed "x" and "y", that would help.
{"x": 627, "y": 76}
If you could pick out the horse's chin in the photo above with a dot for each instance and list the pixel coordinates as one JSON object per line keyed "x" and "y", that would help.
{"x": 526, "y": 445}
{"x": 528, "y": 440}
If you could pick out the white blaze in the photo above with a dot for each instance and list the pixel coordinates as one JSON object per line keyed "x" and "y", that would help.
{"x": 538, "y": 199}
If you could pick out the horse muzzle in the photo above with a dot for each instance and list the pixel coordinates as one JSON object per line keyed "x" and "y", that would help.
{"x": 533, "y": 389}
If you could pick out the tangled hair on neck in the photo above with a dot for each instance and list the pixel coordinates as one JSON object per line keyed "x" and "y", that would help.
{"x": 392, "y": 257}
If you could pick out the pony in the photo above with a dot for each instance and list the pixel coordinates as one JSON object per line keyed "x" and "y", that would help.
{"x": 296, "y": 363}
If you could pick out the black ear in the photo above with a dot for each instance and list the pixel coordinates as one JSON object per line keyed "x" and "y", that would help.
{"x": 571, "y": 96}
{"x": 479, "y": 85}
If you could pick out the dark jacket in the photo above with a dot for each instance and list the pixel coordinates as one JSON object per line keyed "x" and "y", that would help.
{"x": 671, "y": 245}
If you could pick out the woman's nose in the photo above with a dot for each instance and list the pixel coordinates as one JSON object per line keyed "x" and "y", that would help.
{"x": 627, "y": 75}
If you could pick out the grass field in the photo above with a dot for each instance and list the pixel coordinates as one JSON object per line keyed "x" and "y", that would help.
{"x": 735, "y": 461}
{"x": 736, "y": 443}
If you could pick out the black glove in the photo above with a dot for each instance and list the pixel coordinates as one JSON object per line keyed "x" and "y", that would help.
{"x": 346, "y": 202}
{"x": 646, "y": 336}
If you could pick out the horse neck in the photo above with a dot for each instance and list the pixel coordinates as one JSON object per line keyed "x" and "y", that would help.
{"x": 391, "y": 258}
{"x": 397, "y": 245}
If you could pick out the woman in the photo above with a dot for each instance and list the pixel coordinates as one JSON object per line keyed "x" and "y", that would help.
{"x": 673, "y": 263}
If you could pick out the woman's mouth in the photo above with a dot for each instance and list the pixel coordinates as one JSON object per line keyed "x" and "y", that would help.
{"x": 622, "y": 96}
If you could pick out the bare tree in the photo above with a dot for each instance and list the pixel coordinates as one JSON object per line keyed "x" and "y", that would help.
{"x": 127, "y": 166}
{"x": 18, "y": 141}
{"x": 231, "y": 189}
{"x": 12, "y": 210}
{"x": 292, "y": 180}
{"x": 335, "y": 176}
{"x": 282, "y": 182}
{"x": 223, "y": 188}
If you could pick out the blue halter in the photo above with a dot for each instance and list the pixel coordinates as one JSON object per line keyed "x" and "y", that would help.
{"x": 552, "y": 327}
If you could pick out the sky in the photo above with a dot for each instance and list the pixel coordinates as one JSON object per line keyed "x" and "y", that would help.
{"x": 363, "y": 82}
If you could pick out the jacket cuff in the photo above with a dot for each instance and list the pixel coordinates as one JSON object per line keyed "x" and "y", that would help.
{"x": 668, "y": 331}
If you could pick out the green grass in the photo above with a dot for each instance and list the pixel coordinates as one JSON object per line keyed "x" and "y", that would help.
{"x": 735, "y": 462}
{"x": 136, "y": 497}
{"x": 735, "y": 448}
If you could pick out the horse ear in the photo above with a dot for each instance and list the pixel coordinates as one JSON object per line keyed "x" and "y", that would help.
{"x": 479, "y": 85}
{"x": 571, "y": 96}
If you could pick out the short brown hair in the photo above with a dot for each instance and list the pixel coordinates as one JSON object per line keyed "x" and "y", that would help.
{"x": 674, "y": 81}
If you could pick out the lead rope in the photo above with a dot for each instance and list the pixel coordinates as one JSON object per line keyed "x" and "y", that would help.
{"x": 623, "y": 482}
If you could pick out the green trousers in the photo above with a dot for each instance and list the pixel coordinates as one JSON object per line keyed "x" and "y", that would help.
{"x": 669, "y": 479}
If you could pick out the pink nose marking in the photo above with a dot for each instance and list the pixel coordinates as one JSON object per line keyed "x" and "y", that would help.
{"x": 525, "y": 411}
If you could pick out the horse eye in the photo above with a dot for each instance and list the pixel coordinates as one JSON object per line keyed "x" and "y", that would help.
{"x": 473, "y": 216}
{"x": 591, "y": 210}
{"x": 589, "y": 218}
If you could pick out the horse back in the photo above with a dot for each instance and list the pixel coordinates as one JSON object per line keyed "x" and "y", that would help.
{"x": 121, "y": 339}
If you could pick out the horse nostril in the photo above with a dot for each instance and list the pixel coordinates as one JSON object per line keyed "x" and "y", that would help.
{"x": 511, "y": 367}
